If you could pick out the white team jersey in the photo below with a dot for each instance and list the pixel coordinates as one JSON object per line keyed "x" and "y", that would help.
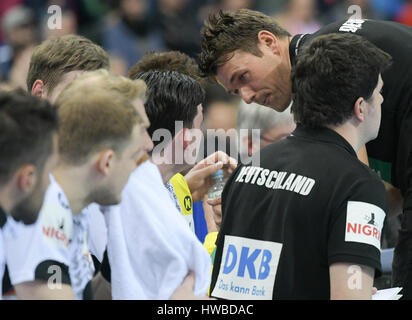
{"x": 57, "y": 236}
{"x": 150, "y": 246}
{"x": 97, "y": 233}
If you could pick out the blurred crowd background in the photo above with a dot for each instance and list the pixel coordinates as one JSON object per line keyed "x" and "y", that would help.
{"x": 127, "y": 29}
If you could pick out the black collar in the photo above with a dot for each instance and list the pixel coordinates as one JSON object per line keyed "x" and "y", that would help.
{"x": 294, "y": 46}
{"x": 3, "y": 217}
{"x": 325, "y": 135}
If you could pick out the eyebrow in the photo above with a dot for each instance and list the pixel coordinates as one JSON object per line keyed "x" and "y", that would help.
{"x": 232, "y": 78}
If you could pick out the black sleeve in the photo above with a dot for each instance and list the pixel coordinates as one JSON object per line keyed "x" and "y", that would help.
{"x": 105, "y": 267}
{"x": 402, "y": 178}
{"x": 96, "y": 264}
{"x": 49, "y": 271}
{"x": 355, "y": 226}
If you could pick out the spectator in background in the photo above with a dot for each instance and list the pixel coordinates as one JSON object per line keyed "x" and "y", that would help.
{"x": 18, "y": 27}
{"x": 404, "y": 15}
{"x": 179, "y": 25}
{"x": 387, "y": 10}
{"x": 272, "y": 125}
{"x": 5, "y": 6}
{"x": 337, "y": 10}
{"x": 129, "y": 32}
{"x": 299, "y": 17}
{"x": 233, "y": 5}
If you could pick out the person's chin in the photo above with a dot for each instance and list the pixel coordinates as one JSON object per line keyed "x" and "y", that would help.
{"x": 112, "y": 201}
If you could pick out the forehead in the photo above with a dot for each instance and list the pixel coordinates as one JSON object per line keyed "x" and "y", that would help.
{"x": 138, "y": 104}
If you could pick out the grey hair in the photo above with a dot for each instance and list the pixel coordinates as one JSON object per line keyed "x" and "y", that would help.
{"x": 256, "y": 116}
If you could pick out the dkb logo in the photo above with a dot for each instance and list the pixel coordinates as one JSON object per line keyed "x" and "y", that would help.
{"x": 248, "y": 262}
{"x": 248, "y": 269}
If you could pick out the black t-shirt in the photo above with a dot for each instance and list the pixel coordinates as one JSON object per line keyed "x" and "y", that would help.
{"x": 391, "y": 152}
{"x": 310, "y": 203}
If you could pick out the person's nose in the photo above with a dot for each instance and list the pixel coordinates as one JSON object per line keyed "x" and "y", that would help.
{"x": 247, "y": 94}
{"x": 148, "y": 143}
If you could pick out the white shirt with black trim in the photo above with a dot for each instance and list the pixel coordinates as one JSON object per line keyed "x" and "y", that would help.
{"x": 53, "y": 249}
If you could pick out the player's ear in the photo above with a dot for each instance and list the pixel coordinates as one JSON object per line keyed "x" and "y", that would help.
{"x": 105, "y": 161}
{"x": 186, "y": 138}
{"x": 268, "y": 40}
{"x": 26, "y": 178}
{"x": 39, "y": 89}
{"x": 359, "y": 109}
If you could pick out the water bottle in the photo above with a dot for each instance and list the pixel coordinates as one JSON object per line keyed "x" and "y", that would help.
{"x": 215, "y": 191}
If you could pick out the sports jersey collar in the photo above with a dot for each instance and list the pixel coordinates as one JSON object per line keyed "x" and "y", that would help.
{"x": 61, "y": 196}
{"x": 294, "y": 46}
{"x": 324, "y": 135}
{"x": 3, "y": 217}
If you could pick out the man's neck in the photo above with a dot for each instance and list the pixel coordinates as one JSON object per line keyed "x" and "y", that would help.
{"x": 350, "y": 134}
{"x": 72, "y": 181}
{"x": 6, "y": 199}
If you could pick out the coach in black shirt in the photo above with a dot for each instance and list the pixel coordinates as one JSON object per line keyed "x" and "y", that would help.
{"x": 306, "y": 223}
{"x": 251, "y": 55}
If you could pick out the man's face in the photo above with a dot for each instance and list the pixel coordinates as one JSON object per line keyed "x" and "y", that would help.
{"x": 28, "y": 209}
{"x": 147, "y": 143}
{"x": 374, "y": 110}
{"x": 264, "y": 80}
{"x": 126, "y": 161}
{"x": 123, "y": 163}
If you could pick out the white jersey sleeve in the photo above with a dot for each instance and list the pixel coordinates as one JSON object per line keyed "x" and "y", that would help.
{"x": 150, "y": 246}
{"x": 41, "y": 251}
{"x": 97, "y": 231}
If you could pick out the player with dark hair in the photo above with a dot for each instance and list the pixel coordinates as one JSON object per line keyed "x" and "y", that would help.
{"x": 250, "y": 55}
{"x": 28, "y": 153}
{"x": 295, "y": 226}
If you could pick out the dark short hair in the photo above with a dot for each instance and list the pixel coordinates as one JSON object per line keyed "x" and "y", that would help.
{"x": 27, "y": 125}
{"x": 331, "y": 74}
{"x": 170, "y": 60}
{"x": 171, "y": 96}
{"x": 55, "y": 57}
{"x": 225, "y": 32}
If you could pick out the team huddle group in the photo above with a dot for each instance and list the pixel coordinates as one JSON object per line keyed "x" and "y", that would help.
{"x": 91, "y": 209}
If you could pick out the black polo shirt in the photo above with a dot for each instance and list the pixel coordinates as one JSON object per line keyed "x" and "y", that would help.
{"x": 310, "y": 203}
{"x": 390, "y": 154}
